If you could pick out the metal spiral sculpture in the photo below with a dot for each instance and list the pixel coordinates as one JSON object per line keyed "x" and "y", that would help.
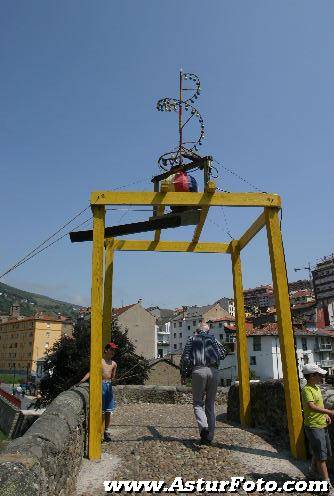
{"x": 177, "y": 156}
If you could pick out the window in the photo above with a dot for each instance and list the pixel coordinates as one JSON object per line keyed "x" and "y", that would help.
{"x": 304, "y": 344}
{"x": 221, "y": 337}
{"x": 305, "y": 357}
{"x": 188, "y": 328}
{"x": 47, "y": 334}
{"x": 175, "y": 347}
{"x": 194, "y": 322}
{"x": 180, "y": 346}
{"x": 174, "y": 324}
{"x": 180, "y": 324}
{"x": 256, "y": 343}
{"x": 174, "y": 335}
{"x": 220, "y": 324}
{"x": 180, "y": 335}
{"x": 252, "y": 360}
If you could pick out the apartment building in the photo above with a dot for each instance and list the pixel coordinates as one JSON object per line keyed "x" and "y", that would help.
{"x": 259, "y": 297}
{"x": 25, "y": 340}
{"x": 184, "y": 324}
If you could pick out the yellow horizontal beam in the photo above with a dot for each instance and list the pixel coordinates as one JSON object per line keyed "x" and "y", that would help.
{"x": 170, "y": 246}
{"x": 188, "y": 199}
{"x": 252, "y": 231}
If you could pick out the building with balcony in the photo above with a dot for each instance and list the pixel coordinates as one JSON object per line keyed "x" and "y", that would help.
{"x": 163, "y": 317}
{"x": 265, "y": 355}
{"x": 323, "y": 283}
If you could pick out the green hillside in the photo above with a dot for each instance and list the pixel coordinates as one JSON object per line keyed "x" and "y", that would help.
{"x": 30, "y": 303}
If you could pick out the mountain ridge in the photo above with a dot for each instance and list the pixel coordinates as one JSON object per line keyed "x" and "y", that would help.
{"x": 30, "y": 303}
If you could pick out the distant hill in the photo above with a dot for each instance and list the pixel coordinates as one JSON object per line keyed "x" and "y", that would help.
{"x": 30, "y": 303}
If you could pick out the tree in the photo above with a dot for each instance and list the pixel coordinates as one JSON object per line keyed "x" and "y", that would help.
{"x": 68, "y": 361}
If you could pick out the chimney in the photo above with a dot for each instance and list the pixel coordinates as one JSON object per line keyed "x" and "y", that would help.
{"x": 15, "y": 309}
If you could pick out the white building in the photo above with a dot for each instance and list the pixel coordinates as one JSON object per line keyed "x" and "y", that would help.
{"x": 265, "y": 355}
{"x": 163, "y": 316}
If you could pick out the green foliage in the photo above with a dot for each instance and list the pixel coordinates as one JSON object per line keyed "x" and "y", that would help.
{"x": 8, "y": 378}
{"x": 68, "y": 361}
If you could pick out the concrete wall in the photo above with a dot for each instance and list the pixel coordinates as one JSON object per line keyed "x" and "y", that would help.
{"x": 164, "y": 374}
{"x": 141, "y": 330}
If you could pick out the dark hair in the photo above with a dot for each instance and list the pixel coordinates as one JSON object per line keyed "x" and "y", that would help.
{"x": 107, "y": 347}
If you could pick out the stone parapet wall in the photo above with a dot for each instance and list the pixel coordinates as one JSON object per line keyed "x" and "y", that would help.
{"x": 9, "y": 415}
{"x": 267, "y": 407}
{"x": 47, "y": 458}
{"x": 159, "y": 394}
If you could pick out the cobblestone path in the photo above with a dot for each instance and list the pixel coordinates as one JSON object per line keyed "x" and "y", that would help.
{"x": 160, "y": 442}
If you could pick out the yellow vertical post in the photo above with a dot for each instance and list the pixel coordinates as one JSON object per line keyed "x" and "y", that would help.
{"x": 95, "y": 383}
{"x": 107, "y": 298}
{"x": 290, "y": 376}
{"x": 242, "y": 352}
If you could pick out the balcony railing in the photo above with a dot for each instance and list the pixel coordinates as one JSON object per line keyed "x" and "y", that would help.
{"x": 163, "y": 343}
{"x": 327, "y": 363}
{"x": 323, "y": 347}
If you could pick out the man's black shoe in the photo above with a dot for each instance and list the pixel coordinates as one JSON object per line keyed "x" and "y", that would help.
{"x": 107, "y": 438}
{"x": 204, "y": 436}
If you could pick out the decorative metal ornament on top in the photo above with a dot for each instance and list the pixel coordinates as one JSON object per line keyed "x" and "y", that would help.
{"x": 185, "y": 149}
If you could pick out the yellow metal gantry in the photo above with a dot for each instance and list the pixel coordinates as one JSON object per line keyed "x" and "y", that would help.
{"x": 101, "y": 305}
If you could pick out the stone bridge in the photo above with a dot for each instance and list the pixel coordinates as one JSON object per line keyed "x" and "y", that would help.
{"x": 154, "y": 437}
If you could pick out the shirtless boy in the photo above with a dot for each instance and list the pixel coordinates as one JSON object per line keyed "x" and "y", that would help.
{"x": 109, "y": 367}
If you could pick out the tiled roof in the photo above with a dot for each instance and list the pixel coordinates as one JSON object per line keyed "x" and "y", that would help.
{"x": 228, "y": 317}
{"x": 119, "y": 311}
{"x": 272, "y": 330}
{"x": 307, "y": 304}
{"x": 154, "y": 361}
{"x": 43, "y": 318}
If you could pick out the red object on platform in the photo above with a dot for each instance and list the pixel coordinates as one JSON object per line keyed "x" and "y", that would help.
{"x": 9, "y": 397}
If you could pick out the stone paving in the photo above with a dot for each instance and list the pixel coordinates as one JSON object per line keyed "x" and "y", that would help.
{"x": 160, "y": 442}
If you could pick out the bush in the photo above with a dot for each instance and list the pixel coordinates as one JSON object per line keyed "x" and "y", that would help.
{"x": 68, "y": 361}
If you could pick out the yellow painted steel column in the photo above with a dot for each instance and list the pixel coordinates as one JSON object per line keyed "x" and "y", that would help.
{"x": 242, "y": 352}
{"x": 95, "y": 381}
{"x": 107, "y": 298}
{"x": 287, "y": 345}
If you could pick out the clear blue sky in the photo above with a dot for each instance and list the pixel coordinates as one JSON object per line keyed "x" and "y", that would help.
{"x": 78, "y": 88}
